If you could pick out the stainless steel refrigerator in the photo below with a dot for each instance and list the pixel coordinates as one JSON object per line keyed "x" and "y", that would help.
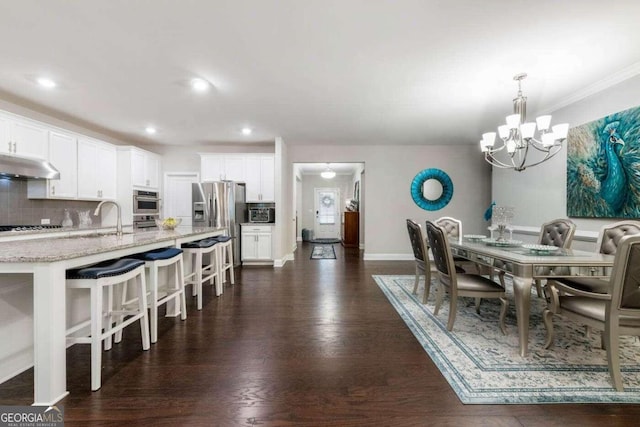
{"x": 220, "y": 204}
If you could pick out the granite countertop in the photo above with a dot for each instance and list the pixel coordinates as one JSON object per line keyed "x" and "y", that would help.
{"x": 76, "y": 245}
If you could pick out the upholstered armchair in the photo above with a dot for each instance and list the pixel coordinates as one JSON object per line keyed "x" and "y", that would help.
{"x": 616, "y": 312}
{"x": 423, "y": 267}
{"x": 459, "y": 285}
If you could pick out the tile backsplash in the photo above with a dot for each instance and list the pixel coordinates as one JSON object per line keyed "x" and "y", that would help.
{"x": 17, "y": 209}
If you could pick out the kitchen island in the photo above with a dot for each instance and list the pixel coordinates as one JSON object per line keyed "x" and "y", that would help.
{"x": 47, "y": 259}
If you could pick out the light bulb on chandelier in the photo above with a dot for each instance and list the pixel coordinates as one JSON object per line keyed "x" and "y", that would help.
{"x": 518, "y": 136}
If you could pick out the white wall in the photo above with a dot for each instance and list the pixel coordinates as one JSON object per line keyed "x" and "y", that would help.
{"x": 387, "y": 196}
{"x": 284, "y": 239}
{"x": 539, "y": 193}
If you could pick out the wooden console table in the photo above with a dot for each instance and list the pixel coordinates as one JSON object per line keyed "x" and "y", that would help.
{"x": 351, "y": 232}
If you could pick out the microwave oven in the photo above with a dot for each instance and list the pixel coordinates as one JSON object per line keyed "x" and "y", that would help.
{"x": 146, "y": 202}
{"x": 262, "y": 215}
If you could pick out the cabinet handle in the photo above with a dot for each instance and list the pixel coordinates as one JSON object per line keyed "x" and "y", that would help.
{"x": 9, "y": 146}
{"x": 14, "y": 148}
{"x": 148, "y": 183}
{"x": 53, "y": 190}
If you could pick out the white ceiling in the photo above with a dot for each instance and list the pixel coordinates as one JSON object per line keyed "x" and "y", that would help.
{"x": 310, "y": 71}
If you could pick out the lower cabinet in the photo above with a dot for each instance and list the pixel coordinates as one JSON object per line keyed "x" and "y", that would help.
{"x": 256, "y": 243}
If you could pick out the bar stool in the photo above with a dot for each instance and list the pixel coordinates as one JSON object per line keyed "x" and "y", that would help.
{"x": 153, "y": 261}
{"x": 96, "y": 278}
{"x": 226, "y": 258}
{"x": 201, "y": 273}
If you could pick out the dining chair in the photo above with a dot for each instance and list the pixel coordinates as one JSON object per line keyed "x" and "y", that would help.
{"x": 616, "y": 313}
{"x": 451, "y": 226}
{"x": 459, "y": 284}
{"x": 558, "y": 232}
{"x": 608, "y": 241}
{"x": 453, "y": 229}
{"x": 421, "y": 256}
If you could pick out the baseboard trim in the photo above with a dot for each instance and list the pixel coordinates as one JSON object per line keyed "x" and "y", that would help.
{"x": 278, "y": 263}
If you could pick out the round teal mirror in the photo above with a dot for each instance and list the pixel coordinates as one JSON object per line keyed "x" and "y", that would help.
{"x": 432, "y": 189}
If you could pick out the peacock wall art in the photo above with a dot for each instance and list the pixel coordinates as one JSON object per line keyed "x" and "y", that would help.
{"x": 603, "y": 167}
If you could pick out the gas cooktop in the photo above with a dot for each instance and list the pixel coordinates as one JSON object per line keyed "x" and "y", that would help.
{"x": 27, "y": 227}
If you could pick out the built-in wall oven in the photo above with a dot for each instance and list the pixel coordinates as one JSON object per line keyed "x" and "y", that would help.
{"x": 146, "y": 203}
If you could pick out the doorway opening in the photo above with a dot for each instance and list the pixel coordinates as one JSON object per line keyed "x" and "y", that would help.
{"x": 320, "y": 205}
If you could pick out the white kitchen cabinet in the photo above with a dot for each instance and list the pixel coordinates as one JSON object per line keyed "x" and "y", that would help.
{"x": 96, "y": 170}
{"x": 260, "y": 178}
{"x": 211, "y": 167}
{"x": 234, "y": 168}
{"x": 63, "y": 155}
{"x": 23, "y": 137}
{"x": 145, "y": 169}
{"x": 256, "y": 243}
{"x": 222, "y": 167}
{"x": 5, "y": 138}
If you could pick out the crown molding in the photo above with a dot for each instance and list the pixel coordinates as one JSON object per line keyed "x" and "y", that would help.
{"x": 612, "y": 80}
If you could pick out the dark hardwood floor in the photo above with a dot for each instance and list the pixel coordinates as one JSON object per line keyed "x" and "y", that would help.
{"x": 312, "y": 344}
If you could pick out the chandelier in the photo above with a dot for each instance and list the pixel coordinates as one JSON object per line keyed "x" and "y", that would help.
{"x": 518, "y": 137}
{"x": 328, "y": 173}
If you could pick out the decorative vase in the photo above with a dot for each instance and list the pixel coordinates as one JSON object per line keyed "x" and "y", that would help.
{"x": 67, "y": 221}
{"x": 501, "y": 219}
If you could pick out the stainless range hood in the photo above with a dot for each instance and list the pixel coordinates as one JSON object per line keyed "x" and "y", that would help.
{"x": 26, "y": 167}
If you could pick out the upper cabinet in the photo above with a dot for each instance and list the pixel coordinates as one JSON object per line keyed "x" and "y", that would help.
{"x": 22, "y": 136}
{"x": 222, "y": 167}
{"x": 63, "y": 155}
{"x": 145, "y": 168}
{"x": 260, "y": 178}
{"x": 256, "y": 170}
{"x": 96, "y": 170}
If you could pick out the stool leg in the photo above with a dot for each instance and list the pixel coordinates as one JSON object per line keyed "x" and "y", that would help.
{"x": 231, "y": 273}
{"x": 153, "y": 304}
{"x": 142, "y": 306}
{"x": 198, "y": 285}
{"x": 180, "y": 284}
{"x": 217, "y": 275}
{"x": 96, "y": 336}
{"x": 124, "y": 288}
{"x": 194, "y": 288}
{"x": 109, "y": 319}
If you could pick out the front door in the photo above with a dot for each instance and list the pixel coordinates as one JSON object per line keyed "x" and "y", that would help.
{"x": 327, "y": 204}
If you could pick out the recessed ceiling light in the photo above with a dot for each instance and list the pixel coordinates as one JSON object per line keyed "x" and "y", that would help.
{"x": 150, "y": 130}
{"x": 46, "y": 82}
{"x": 199, "y": 85}
{"x": 246, "y": 131}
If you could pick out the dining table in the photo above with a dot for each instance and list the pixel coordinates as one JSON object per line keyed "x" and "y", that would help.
{"x": 525, "y": 263}
{"x": 47, "y": 259}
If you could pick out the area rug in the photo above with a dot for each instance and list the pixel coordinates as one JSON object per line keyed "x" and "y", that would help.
{"x": 485, "y": 367}
{"x": 325, "y": 241}
{"x": 323, "y": 252}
